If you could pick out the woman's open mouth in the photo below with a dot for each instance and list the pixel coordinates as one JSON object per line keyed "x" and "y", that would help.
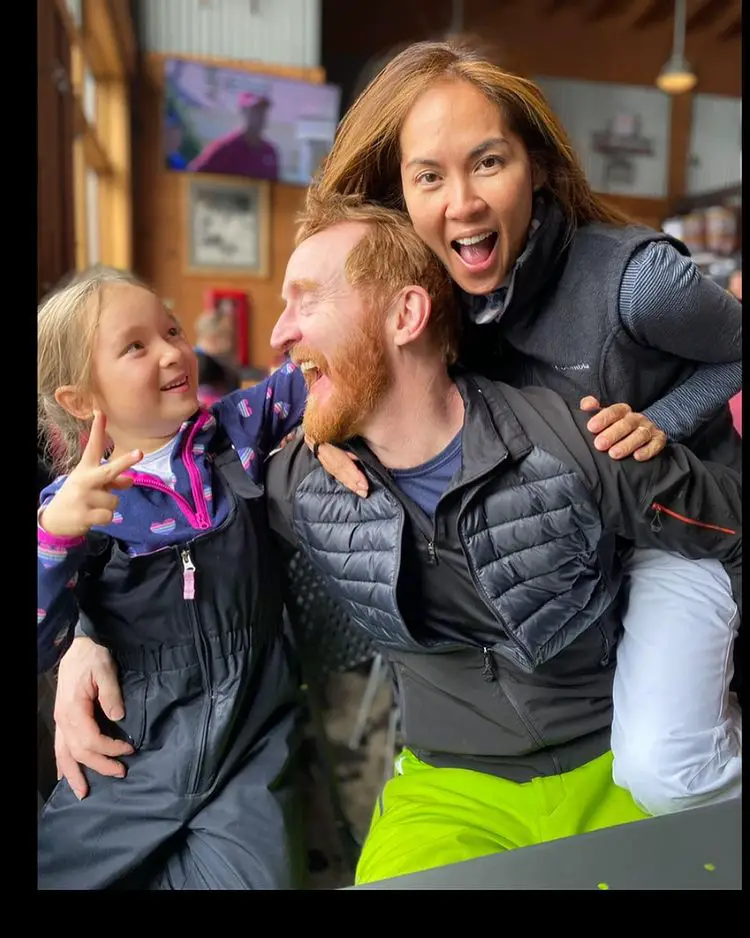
{"x": 478, "y": 251}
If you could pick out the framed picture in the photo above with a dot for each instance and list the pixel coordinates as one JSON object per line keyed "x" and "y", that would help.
{"x": 232, "y": 307}
{"x": 228, "y": 226}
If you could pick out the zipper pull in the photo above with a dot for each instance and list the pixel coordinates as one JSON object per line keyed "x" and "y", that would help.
{"x": 188, "y": 575}
{"x": 432, "y": 553}
{"x": 656, "y": 520}
{"x": 488, "y": 668}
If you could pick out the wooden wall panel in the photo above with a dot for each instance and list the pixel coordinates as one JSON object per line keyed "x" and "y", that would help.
{"x": 651, "y": 212}
{"x": 159, "y": 222}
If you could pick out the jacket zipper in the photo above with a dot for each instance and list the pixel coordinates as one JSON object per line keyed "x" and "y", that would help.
{"x": 656, "y": 524}
{"x": 199, "y": 518}
{"x": 188, "y": 594}
{"x": 485, "y": 599}
{"x": 489, "y": 668}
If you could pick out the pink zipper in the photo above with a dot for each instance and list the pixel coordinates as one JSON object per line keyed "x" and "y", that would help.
{"x": 199, "y": 518}
{"x": 188, "y": 575}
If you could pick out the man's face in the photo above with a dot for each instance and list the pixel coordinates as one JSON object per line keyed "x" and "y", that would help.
{"x": 336, "y": 335}
{"x": 255, "y": 119}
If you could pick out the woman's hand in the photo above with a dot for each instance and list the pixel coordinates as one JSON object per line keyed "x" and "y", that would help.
{"x": 621, "y": 432}
{"x": 341, "y": 465}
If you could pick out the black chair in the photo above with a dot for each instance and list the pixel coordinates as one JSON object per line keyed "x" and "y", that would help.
{"x": 327, "y": 642}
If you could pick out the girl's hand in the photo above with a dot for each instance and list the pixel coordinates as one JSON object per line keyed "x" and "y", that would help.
{"x": 86, "y": 498}
{"x": 341, "y": 465}
{"x": 621, "y": 432}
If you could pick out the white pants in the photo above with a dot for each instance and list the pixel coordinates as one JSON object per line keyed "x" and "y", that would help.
{"x": 676, "y": 731}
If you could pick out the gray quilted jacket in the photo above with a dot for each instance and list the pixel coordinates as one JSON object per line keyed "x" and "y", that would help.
{"x": 524, "y": 557}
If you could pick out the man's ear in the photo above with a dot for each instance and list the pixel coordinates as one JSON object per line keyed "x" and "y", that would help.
{"x": 411, "y": 314}
{"x": 76, "y": 402}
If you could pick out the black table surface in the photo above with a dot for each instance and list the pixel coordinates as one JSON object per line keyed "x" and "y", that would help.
{"x": 696, "y": 849}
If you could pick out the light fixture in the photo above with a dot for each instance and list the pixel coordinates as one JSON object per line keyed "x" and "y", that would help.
{"x": 677, "y": 76}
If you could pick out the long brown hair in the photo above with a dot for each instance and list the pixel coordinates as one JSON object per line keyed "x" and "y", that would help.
{"x": 365, "y": 157}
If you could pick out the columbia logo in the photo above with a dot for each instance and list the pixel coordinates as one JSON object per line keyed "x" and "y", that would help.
{"x": 578, "y": 366}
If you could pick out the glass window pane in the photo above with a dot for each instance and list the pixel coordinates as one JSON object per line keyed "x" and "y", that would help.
{"x": 92, "y": 216}
{"x": 74, "y": 6}
{"x": 89, "y": 96}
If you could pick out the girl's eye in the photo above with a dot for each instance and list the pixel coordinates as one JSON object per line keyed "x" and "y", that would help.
{"x": 175, "y": 331}
{"x": 134, "y": 347}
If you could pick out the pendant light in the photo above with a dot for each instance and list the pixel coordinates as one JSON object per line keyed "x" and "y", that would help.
{"x": 677, "y": 76}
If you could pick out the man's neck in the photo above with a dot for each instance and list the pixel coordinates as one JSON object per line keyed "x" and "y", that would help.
{"x": 419, "y": 417}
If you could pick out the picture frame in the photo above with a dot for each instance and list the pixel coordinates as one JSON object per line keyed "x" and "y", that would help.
{"x": 227, "y": 226}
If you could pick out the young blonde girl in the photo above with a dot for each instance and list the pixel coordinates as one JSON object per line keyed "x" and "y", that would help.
{"x": 155, "y": 537}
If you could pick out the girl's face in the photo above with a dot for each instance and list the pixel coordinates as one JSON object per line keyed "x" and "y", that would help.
{"x": 144, "y": 371}
{"x": 468, "y": 184}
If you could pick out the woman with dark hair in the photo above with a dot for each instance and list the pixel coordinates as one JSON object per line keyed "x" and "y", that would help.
{"x": 559, "y": 289}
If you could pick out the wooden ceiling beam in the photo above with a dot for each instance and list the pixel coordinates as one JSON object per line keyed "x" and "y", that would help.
{"x": 549, "y": 7}
{"x": 703, "y": 14}
{"x": 727, "y": 17}
{"x": 606, "y": 9}
{"x": 733, "y": 31}
{"x": 633, "y": 12}
{"x": 657, "y": 11}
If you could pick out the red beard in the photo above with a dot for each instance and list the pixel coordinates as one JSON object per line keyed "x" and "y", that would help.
{"x": 359, "y": 378}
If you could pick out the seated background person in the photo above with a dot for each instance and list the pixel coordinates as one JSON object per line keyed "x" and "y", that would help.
{"x": 217, "y": 374}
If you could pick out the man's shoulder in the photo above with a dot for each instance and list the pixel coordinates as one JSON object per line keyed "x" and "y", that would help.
{"x": 547, "y": 420}
{"x": 543, "y": 400}
{"x": 287, "y": 468}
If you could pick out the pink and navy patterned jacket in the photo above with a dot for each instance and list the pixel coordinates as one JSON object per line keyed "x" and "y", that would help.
{"x": 151, "y": 515}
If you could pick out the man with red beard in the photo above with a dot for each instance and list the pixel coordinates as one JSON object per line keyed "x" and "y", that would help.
{"x": 483, "y": 562}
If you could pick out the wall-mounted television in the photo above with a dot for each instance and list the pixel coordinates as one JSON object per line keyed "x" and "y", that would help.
{"x": 238, "y": 123}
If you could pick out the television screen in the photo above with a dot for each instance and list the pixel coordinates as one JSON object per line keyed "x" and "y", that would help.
{"x": 226, "y": 121}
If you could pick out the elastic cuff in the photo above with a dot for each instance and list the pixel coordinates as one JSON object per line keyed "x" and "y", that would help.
{"x": 672, "y": 429}
{"x": 50, "y": 540}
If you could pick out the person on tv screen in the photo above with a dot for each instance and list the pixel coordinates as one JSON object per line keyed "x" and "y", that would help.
{"x": 173, "y": 141}
{"x": 242, "y": 152}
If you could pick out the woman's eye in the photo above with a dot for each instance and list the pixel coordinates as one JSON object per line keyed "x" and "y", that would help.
{"x": 427, "y": 179}
{"x": 490, "y": 162}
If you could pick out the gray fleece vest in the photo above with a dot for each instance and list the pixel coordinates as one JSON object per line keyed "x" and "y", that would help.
{"x": 561, "y": 328}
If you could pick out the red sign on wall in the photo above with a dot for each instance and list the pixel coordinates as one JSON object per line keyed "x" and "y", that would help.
{"x": 235, "y": 305}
